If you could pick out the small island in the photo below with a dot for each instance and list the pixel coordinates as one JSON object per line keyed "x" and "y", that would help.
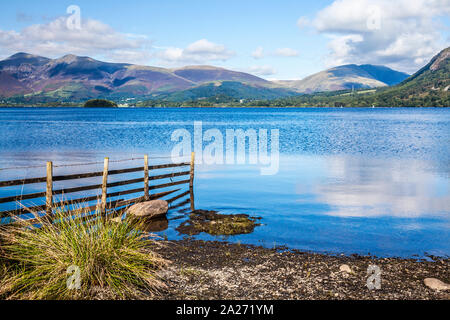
{"x": 100, "y": 103}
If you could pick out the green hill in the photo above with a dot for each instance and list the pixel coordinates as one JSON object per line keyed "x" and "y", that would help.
{"x": 100, "y": 103}
{"x": 429, "y": 87}
{"x": 231, "y": 89}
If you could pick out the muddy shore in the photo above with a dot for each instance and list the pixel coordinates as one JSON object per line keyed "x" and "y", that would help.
{"x": 202, "y": 270}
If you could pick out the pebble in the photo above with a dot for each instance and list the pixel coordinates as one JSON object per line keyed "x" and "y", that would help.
{"x": 345, "y": 268}
{"x": 436, "y": 284}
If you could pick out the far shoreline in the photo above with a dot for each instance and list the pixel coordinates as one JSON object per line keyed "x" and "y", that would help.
{"x": 215, "y": 107}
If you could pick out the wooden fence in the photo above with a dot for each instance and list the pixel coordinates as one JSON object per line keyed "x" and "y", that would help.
{"x": 104, "y": 204}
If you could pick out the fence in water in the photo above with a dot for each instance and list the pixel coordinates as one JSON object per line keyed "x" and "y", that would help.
{"x": 110, "y": 203}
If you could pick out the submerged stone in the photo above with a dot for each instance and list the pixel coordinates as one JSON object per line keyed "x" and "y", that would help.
{"x": 155, "y": 225}
{"x": 217, "y": 224}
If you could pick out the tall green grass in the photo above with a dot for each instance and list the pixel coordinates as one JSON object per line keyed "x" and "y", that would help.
{"x": 113, "y": 258}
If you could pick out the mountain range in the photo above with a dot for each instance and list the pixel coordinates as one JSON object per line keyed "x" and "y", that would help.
{"x": 428, "y": 87}
{"x": 33, "y": 79}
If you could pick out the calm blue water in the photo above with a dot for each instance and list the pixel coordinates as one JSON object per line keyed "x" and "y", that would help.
{"x": 349, "y": 181}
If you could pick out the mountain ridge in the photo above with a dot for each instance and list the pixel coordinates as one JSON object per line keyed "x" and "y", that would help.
{"x": 32, "y": 78}
{"x": 350, "y": 76}
{"x": 428, "y": 87}
{"x": 77, "y": 78}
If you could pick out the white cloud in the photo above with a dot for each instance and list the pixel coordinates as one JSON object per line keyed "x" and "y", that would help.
{"x": 199, "y": 52}
{"x": 281, "y": 52}
{"x": 258, "y": 53}
{"x": 130, "y": 56}
{"x": 286, "y": 52}
{"x": 261, "y": 70}
{"x": 378, "y": 187}
{"x": 402, "y": 34}
{"x": 303, "y": 22}
{"x": 95, "y": 38}
{"x": 343, "y": 46}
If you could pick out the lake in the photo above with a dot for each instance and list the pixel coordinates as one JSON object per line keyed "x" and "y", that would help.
{"x": 349, "y": 180}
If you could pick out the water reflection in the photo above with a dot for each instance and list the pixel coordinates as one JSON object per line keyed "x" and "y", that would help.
{"x": 155, "y": 225}
{"x": 370, "y": 187}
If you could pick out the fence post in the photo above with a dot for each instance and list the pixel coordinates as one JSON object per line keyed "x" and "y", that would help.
{"x": 105, "y": 185}
{"x": 49, "y": 192}
{"x": 191, "y": 182}
{"x": 146, "y": 179}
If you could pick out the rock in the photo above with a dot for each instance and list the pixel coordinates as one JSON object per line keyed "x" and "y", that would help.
{"x": 149, "y": 209}
{"x": 436, "y": 284}
{"x": 215, "y": 224}
{"x": 345, "y": 268}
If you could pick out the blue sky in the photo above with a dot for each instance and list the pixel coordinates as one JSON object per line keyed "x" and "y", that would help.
{"x": 274, "y": 39}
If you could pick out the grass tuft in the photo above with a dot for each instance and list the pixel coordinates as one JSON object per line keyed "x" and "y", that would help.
{"x": 112, "y": 258}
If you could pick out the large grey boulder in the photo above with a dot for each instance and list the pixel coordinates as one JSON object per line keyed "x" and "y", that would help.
{"x": 149, "y": 209}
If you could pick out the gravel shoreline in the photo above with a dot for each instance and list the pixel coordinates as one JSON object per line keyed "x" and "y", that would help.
{"x": 201, "y": 270}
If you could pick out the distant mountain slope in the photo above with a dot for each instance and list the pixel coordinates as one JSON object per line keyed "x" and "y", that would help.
{"x": 347, "y": 77}
{"x": 21, "y": 58}
{"x": 202, "y": 74}
{"x": 384, "y": 74}
{"x": 430, "y": 86}
{"x": 29, "y": 78}
{"x": 434, "y": 72}
{"x": 226, "y": 90}
{"x": 8, "y": 84}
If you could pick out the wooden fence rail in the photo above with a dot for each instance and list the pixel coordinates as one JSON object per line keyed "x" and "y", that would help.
{"x": 103, "y": 205}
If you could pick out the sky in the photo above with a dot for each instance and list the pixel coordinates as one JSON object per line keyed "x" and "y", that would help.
{"x": 282, "y": 39}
